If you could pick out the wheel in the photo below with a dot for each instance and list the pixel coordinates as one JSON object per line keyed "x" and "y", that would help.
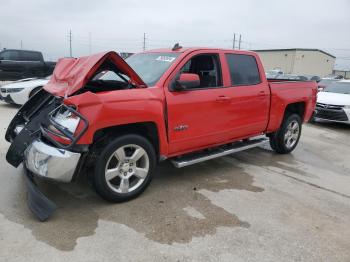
{"x": 287, "y": 137}
{"x": 34, "y": 91}
{"x": 124, "y": 168}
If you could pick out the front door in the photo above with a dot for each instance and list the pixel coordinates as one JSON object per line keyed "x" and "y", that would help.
{"x": 198, "y": 117}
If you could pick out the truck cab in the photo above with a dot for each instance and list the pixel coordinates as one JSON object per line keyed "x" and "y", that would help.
{"x": 120, "y": 118}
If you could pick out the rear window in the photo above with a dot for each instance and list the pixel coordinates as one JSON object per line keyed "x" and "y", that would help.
{"x": 243, "y": 69}
{"x": 31, "y": 56}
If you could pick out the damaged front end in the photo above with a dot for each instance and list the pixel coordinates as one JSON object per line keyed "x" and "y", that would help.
{"x": 43, "y": 136}
{"x": 45, "y": 132}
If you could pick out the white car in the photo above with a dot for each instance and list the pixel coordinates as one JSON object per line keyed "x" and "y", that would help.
{"x": 20, "y": 91}
{"x": 333, "y": 103}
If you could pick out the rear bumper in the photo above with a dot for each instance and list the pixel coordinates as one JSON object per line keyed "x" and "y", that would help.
{"x": 50, "y": 162}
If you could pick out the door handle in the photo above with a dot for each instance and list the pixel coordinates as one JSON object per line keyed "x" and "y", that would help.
{"x": 261, "y": 93}
{"x": 222, "y": 98}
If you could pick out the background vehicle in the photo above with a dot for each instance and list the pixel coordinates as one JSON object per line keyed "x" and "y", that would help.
{"x": 273, "y": 73}
{"x": 20, "y": 91}
{"x": 333, "y": 103}
{"x": 21, "y": 64}
{"x": 326, "y": 82}
{"x": 164, "y": 104}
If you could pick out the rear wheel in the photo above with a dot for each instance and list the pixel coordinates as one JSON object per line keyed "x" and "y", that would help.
{"x": 124, "y": 168}
{"x": 287, "y": 137}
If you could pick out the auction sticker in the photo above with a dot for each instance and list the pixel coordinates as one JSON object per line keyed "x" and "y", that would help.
{"x": 163, "y": 58}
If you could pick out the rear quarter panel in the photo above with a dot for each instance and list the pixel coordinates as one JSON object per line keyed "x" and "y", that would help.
{"x": 288, "y": 92}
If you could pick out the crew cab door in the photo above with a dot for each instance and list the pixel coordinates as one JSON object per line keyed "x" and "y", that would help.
{"x": 198, "y": 117}
{"x": 249, "y": 95}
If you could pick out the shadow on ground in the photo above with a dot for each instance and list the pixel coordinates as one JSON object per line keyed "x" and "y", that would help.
{"x": 166, "y": 212}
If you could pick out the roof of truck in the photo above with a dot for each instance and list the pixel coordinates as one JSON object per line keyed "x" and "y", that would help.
{"x": 192, "y": 49}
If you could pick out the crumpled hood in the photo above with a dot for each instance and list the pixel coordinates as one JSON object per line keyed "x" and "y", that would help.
{"x": 71, "y": 74}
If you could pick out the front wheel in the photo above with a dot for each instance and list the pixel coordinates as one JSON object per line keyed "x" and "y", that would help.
{"x": 124, "y": 168}
{"x": 287, "y": 137}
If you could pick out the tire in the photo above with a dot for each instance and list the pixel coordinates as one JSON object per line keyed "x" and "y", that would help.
{"x": 34, "y": 91}
{"x": 284, "y": 140}
{"x": 124, "y": 168}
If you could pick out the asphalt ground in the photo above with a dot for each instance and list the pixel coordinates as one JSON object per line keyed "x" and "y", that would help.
{"x": 250, "y": 206}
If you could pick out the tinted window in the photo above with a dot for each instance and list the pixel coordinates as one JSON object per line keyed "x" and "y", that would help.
{"x": 31, "y": 56}
{"x": 207, "y": 67}
{"x": 243, "y": 69}
{"x": 10, "y": 55}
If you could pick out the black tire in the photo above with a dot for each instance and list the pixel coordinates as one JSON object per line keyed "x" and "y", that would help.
{"x": 34, "y": 91}
{"x": 105, "y": 188}
{"x": 277, "y": 140}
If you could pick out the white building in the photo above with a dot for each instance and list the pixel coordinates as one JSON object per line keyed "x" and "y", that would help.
{"x": 299, "y": 61}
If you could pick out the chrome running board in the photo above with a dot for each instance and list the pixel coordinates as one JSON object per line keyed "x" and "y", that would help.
{"x": 202, "y": 156}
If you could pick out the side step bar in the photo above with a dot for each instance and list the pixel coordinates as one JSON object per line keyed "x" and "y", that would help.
{"x": 202, "y": 156}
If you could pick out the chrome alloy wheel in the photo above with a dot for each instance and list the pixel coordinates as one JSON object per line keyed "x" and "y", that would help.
{"x": 127, "y": 168}
{"x": 292, "y": 134}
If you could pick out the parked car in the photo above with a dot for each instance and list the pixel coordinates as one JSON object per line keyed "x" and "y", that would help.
{"x": 271, "y": 74}
{"x": 162, "y": 104}
{"x": 21, "y": 64}
{"x": 331, "y": 76}
{"x": 326, "y": 82}
{"x": 20, "y": 91}
{"x": 333, "y": 103}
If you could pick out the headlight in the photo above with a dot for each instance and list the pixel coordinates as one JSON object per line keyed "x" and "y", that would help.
{"x": 66, "y": 119}
{"x": 14, "y": 90}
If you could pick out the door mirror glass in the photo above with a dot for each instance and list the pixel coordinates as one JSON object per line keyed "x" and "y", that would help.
{"x": 186, "y": 81}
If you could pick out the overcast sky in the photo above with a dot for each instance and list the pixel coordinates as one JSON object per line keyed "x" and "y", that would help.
{"x": 120, "y": 24}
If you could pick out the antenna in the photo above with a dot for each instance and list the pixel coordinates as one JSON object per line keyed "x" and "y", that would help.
{"x": 176, "y": 47}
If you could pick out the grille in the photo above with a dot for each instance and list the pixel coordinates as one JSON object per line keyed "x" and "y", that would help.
{"x": 326, "y": 106}
{"x": 331, "y": 114}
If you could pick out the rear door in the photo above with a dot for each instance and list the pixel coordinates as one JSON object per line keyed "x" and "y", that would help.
{"x": 198, "y": 117}
{"x": 249, "y": 95}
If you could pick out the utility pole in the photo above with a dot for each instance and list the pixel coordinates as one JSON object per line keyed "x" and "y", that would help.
{"x": 234, "y": 41}
{"x": 144, "y": 42}
{"x": 21, "y": 44}
{"x": 240, "y": 40}
{"x": 90, "y": 44}
{"x": 70, "y": 43}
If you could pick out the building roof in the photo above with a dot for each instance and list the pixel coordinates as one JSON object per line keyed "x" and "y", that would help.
{"x": 294, "y": 49}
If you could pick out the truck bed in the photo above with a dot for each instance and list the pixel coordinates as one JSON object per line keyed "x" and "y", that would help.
{"x": 286, "y": 92}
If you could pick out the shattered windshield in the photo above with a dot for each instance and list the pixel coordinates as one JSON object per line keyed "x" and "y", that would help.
{"x": 151, "y": 66}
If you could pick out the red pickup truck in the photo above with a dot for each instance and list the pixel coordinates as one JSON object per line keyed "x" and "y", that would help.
{"x": 120, "y": 118}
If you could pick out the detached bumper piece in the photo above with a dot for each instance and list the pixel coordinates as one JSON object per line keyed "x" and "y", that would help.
{"x": 38, "y": 203}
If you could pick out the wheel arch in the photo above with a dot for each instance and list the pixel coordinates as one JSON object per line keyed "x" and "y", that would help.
{"x": 148, "y": 130}
{"x": 295, "y": 108}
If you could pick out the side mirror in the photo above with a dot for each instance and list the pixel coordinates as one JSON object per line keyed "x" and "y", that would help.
{"x": 186, "y": 81}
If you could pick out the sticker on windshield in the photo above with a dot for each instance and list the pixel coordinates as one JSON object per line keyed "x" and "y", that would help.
{"x": 163, "y": 58}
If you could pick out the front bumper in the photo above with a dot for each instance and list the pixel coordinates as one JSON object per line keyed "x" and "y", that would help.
{"x": 50, "y": 162}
